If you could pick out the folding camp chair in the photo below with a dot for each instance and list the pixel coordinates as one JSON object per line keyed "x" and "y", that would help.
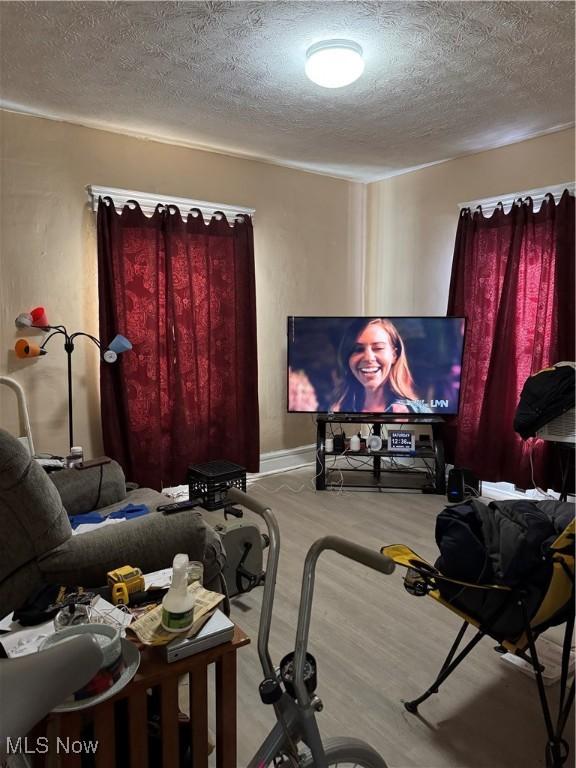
{"x": 556, "y": 607}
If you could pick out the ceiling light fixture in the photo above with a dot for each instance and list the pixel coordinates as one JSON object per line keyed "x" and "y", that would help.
{"x": 334, "y": 63}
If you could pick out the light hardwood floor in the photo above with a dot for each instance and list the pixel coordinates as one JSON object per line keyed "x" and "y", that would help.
{"x": 376, "y": 645}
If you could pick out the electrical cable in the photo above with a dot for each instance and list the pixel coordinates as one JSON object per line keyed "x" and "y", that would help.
{"x": 106, "y": 615}
{"x": 352, "y": 458}
{"x": 430, "y": 470}
{"x": 99, "y": 487}
{"x": 536, "y": 487}
{"x": 360, "y": 461}
{"x": 287, "y": 486}
{"x": 337, "y": 488}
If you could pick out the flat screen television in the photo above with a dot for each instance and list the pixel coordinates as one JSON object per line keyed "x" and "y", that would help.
{"x": 375, "y": 365}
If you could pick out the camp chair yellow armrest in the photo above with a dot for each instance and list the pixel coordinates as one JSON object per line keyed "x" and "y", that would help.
{"x": 403, "y": 555}
{"x": 566, "y": 539}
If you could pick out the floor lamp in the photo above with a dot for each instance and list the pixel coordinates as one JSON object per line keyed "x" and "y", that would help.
{"x": 24, "y": 348}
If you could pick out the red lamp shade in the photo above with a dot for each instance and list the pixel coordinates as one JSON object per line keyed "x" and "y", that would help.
{"x": 39, "y": 319}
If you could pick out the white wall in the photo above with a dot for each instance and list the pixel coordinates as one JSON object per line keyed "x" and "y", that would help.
{"x": 412, "y": 218}
{"x": 309, "y": 233}
{"x": 310, "y": 236}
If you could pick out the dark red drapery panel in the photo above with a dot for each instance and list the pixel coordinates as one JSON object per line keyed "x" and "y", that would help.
{"x": 513, "y": 279}
{"x": 184, "y": 294}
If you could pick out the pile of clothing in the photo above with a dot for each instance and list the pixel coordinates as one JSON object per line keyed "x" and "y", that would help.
{"x": 545, "y": 396}
{"x": 506, "y": 543}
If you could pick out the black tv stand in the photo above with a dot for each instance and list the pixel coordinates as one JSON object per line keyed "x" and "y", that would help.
{"x": 375, "y": 478}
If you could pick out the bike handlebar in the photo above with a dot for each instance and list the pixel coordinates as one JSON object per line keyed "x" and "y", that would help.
{"x": 363, "y": 555}
{"x": 239, "y": 497}
{"x": 368, "y": 557}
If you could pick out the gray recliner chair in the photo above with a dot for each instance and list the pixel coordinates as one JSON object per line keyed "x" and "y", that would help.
{"x": 37, "y": 546}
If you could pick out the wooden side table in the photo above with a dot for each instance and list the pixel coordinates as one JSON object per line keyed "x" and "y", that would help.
{"x": 155, "y": 673}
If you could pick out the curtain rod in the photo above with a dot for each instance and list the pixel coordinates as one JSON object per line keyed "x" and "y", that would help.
{"x": 489, "y": 203}
{"x": 148, "y": 202}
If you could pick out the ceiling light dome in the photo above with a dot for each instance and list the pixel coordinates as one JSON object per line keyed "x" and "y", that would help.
{"x": 334, "y": 63}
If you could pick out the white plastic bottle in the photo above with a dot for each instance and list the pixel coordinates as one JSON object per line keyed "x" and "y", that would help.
{"x": 178, "y": 603}
{"x": 76, "y": 456}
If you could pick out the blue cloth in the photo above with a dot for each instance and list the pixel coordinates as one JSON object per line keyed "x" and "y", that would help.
{"x": 129, "y": 512}
{"x": 89, "y": 517}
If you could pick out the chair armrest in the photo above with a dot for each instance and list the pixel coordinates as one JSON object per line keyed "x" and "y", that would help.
{"x": 406, "y": 557}
{"x": 83, "y": 490}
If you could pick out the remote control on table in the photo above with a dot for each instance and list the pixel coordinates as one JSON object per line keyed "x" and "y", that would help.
{"x": 178, "y": 506}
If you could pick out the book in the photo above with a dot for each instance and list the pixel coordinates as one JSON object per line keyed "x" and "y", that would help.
{"x": 218, "y": 629}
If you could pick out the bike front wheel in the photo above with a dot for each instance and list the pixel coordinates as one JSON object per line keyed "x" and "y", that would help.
{"x": 347, "y": 753}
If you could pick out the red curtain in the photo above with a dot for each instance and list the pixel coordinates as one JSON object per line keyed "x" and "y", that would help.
{"x": 513, "y": 280}
{"x": 184, "y": 294}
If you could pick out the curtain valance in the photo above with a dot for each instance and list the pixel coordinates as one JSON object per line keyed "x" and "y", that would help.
{"x": 149, "y": 201}
{"x": 505, "y": 202}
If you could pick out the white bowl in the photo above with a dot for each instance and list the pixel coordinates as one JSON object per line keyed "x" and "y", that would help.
{"x": 107, "y": 637}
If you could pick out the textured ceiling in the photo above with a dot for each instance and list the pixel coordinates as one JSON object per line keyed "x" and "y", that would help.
{"x": 442, "y": 79}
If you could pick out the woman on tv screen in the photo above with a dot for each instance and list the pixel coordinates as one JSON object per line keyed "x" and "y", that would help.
{"x": 374, "y": 372}
{"x": 375, "y": 365}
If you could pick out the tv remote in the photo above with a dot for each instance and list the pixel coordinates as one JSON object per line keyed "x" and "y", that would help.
{"x": 178, "y": 506}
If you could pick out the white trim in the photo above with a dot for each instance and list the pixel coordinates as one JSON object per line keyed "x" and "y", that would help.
{"x": 305, "y": 455}
{"x": 290, "y": 458}
{"x": 148, "y": 202}
{"x": 501, "y": 491}
{"x": 508, "y": 491}
{"x": 489, "y": 204}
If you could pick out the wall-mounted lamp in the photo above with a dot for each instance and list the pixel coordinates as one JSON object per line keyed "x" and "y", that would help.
{"x": 334, "y": 63}
{"x": 37, "y": 319}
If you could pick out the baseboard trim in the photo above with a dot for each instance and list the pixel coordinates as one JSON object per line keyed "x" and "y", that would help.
{"x": 508, "y": 491}
{"x": 501, "y": 491}
{"x": 305, "y": 455}
{"x": 289, "y": 458}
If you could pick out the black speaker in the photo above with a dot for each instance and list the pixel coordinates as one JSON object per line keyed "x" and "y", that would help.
{"x": 455, "y": 486}
{"x": 461, "y": 484}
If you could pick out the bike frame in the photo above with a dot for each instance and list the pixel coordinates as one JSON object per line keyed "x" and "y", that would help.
{"x": 296, "y": 717}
